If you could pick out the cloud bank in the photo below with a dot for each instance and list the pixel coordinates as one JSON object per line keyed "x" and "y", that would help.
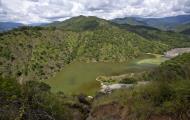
{"x": 38, "y": 11}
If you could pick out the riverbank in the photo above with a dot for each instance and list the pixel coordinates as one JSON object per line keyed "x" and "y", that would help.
{"x": 108, "y": 88}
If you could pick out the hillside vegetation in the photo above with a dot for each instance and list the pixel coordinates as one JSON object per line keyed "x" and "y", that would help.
{"x": 165, "y": 97}
{"x": 172, "y": 39}
{"x": 34, "y": 101}
{"x": 182, "y": 27}
{"x": 31, "y": 54}
{"x": 36, "y": 53}
{"x": 167, "y": 23}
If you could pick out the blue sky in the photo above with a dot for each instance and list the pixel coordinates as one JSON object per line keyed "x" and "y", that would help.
{"x": 38, "y": 11}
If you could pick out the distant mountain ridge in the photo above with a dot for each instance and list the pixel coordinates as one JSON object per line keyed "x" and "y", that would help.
{"x": 47, "y": 49}
{"x": 167, "y": 23}
{"x": 4, "y": 26}
{"x": 32, "y": 54}
{"x": 184, "y": 28}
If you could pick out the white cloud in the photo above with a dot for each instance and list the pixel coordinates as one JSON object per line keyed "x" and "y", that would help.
{"x": 35, "y": 11}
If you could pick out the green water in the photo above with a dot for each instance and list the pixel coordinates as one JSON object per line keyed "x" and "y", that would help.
{"x": 79, "y": 77}
{"x": 156, "y": 60}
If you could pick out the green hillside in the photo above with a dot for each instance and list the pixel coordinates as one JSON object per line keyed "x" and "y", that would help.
{"x": 129, "y": 20}
{"x": 166, "y": 23}
{"x": 165, "y": 97}
{"x": 182, "y": 27}
{"x": 31, "y": 54}
{"x": 82, "y": 23}
{"x": 36, "y": 53}
{"x": 172, "y": 39}
{"x": 187, "y": 32}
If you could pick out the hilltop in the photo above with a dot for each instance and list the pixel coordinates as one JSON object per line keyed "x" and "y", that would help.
{"x": 82, "y": 23}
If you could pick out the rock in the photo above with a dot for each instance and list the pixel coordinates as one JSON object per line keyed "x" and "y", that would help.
{"x": 110, "y": 88}
{"x": 175, "y": 52}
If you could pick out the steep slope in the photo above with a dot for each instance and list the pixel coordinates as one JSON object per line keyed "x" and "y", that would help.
{"x": 36, "y": 53}
{"x": 167, "y": 23}
{"x": 172, "y": 39}
{"x": 187, "y": 32}
{"x": 130, "y": 21}
{"x": 165, "y": 97}
{"x": 182, "y": 27}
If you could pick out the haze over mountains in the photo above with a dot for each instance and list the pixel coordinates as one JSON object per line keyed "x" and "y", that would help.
{"x": 167, "y": 23}
{"x": 179, "y": 23}
{"x": 4, "y": 26}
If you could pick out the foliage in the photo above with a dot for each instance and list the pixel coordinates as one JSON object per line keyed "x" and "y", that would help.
{"x": 35, "y": 53}
{"x": 175, "y": 23}
{"x": 35, "y": 101}
{"x": 30, "y": 53}
{"x": 128, "y": 81}
{"x": 167, "y": 95}
{"x": 169, "y": 38}
{"x": 177, "y": 68}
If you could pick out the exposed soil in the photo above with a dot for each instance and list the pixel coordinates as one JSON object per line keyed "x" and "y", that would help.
{"x": 111, "y": 111}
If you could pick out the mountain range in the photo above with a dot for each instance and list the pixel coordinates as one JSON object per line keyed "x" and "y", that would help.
{"x": 4, "y": 26}
{"x": 179, "y": 23}
{"x": 175, "y": 23}
{"x": 29, "y": 56}
{"x": 80, "y": 38}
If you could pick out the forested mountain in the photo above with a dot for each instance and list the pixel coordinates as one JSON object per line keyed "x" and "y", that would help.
{"x": 82, "y": 23}
{"x": 38, "y": 52}
{"x": 170, "y": 38}
{"x": 187, "y": 32}
{"x": 167, "y": 23}
{"x": 184, "y": 28}
{"x": 29, "y": 55}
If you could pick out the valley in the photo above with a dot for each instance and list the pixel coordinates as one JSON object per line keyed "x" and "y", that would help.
{"x": 88, "y": 68}
{"x": 80, "y": 77}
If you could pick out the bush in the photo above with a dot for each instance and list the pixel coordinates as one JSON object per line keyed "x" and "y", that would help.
{"x": 128, "y": 81}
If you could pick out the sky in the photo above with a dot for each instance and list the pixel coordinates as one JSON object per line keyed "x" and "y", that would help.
{"x": 40, "y": 11}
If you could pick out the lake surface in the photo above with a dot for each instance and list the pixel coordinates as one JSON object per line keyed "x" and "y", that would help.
{"x": 80, "y": 77}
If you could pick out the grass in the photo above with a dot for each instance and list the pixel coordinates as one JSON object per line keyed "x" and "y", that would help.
{"x": 158, "y": 59}
{"x": 80, "y": 77}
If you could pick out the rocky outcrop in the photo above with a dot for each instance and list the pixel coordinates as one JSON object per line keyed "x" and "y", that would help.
{"x": 175, "y": 52}
{"x": 110, "y": 88}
